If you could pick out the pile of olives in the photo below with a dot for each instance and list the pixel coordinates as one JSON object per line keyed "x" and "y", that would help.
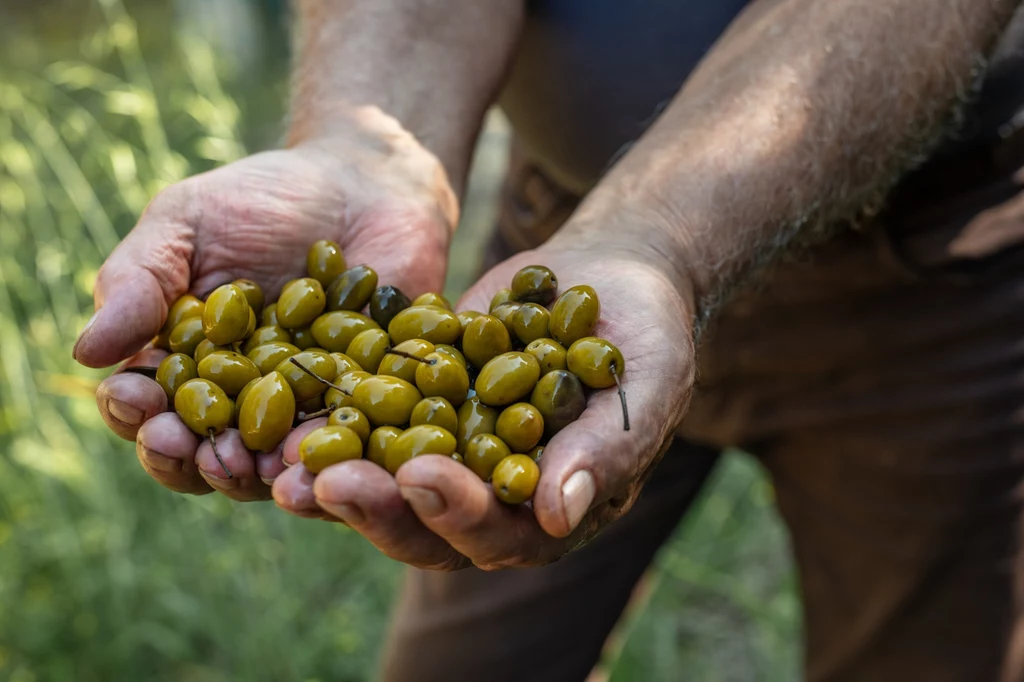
{"x": 395, "y": 378}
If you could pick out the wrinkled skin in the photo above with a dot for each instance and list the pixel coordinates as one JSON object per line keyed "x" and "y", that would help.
{"x": 385, "y": 201}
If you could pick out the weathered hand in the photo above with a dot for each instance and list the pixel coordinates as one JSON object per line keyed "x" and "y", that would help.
{"x": 379, "y": 194}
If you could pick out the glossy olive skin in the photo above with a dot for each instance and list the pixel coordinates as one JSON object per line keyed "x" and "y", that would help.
{"x": 430, "y": 323}
{"x": 329, "y": 445}
{"x": 334, "y": 331}
{"x": 262, "y": 335}
{"x": 595, "y": 361}
{"x": 549, "y": 353}
{"x": 502, "y": 296}
{"x": 465, "y": 317}
{"x": 345, "y": 364}
{"x": 368, "y": 348}
{"x": 560, "y": 399}
{"x": 483, "y": 452}
{"x": 325, "y": 261}
{"x": 443, "y": 376}
{"x": 536, "y": 453}
{"x": 203, "y": 406}
{"x": 485, "y": 338}
{"x": 534, "y": 284}
{"x": 386, "y": 302}
{"x": 353, "y": 419}
{"x": 267, "y": 413}
{"x": 347, "y": 383}
{"x": 575, "y": 314}
{"x": 515, "y": 479}
{"x": 386, "y": 401}
{"x": 300, "y": 302}
{"x": 415, "y": 441}
{"x": 268, "y": 318}
{"x": 226, "y": 315}
{"x": 253, "y": 293}
{"x": 431, "y": 298}
{"x": 452, "y": 352}
{"x": 186, "y": 306}
{"x": 474, "y": 418}
{"x": 521, "y": 426}
{"x": 404, "y": 368}
{"x": 249, "y": 328}
{"x": 352, "y": 289}
{"x": 304, "y": 386}
{"x": 504, "y": 313}
{"x": 240, "y": 399}
{"x": 229, "y": 370}
{"x": 268, "y": 356}
{"x": 302, "y": 338}
{"x": 435, "y": 411}
{"x": 186, "y": 336}
{"x": 173, "y": 371}
{"x": 206, "y": 347}
{"x": 377, "y": 445}
{"x": 507, "y": 379}
{"x": 530, "y": 322}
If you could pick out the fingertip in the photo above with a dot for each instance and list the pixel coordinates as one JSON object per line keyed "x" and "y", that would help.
{"x": 126, "y": 401}
{"x": 132, "y": 313}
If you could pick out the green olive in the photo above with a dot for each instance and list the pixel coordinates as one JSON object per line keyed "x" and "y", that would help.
{"x": 240, "y": 400}
{"x": 507, "y": 379}
{"x": 345, "y": 364}
{"x": 329, "y": 445}
{"x": 368, "y": 348}
{"x": 530, "y": 322}
{"x": 253, "y": 293}
{"x": 352, "y": 289}
{"x": 251, "y": 327}
{"x": 474, "y": 418}
{"x": 430, "y": 323}
{"x": 353, "y": 419}
{"x": 264, "y": 335}
{"x": 483, "y": 452}
{"x": 485, "y": 338}
{"x": 203, "y": 406}
{"x": 595, "y": 361}
{"x": 504, "y": 313}
{"x": 312, "y": 406}
{"x": 347, "y": 382}
{"x": 549, "y": 353}
{"x": 303, "y": 339}
{"x": 432, "y": 299}
{"x": 452, "y": 352}
{"x": 560, "y": 399}
{"x": 377, "y": 446}
{"x": 325, "y": 261}
{"x": 515, "y": 479}
{"x": 184, "y": 307}
{"x": 268, "y": 318}
{"x": 465, "y": 317}
{"x": 206, "y": 347}
{"x": 300, "y": 302}
{"x": 186, "y": 336}
{"x": 534, "y": 284}
{"x": 387, "y": 302}
{"x": 173, "y": 371}
{"x": 229, "y": 370}
{"x": 440, "y": 375}
{"x": 415, "y": 441}
{"x": 503, "y": 296}
{"x": 226, "y": 315}
{"x": 386, "y": 401}
{"x": 268, "y": 356}
{"x": 458, "y": 458}
{"x": 521, "y": 426}
{"x": 401, "y": 367}
{"x": 536, "y": 453}
{"x": 302, "y": 384}
{"x": 435, "y": 411}
{"x": 335, "y": 330}
{"x": 267, "y": 414}
{"x": 575, "y": 314}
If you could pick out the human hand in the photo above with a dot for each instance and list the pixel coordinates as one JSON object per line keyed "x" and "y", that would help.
{"x": 375, "y": 191}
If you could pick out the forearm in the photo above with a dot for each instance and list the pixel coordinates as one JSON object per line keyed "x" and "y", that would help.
{"x": 434, "y": 66}
{"x": 806, "y": 113}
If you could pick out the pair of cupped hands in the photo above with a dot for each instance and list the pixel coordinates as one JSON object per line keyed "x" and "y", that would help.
{"x": 388, "y": 203}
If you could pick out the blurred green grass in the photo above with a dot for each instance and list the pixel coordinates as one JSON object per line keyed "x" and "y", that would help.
{"x": 104, "y": 575}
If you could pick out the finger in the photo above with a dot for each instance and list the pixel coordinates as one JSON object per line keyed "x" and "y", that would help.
{"x": 290, "y": 447}
{"x": 366, "y": 497}
{"x": 293, "y": 492}
{"x": 455, "y": 504}
{"x": 127, "y": 400}
{"x": 167, "y": 450}
{"x": 242, "y": 484}
{"x": 270, "y": 465}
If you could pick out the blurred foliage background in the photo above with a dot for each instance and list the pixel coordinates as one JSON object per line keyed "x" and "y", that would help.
{"x": 106, "y": 576}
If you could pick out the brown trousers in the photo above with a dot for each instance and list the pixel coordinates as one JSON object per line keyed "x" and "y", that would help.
{"x": 880, "y": 380}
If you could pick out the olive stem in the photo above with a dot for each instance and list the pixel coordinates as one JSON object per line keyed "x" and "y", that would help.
{"x": 318, "y": 378}
{"x": 313, "y": 415}
{"x": 410, "y": 356}
{"x": 213, "y": 444}
{"x": 622, "y": 399}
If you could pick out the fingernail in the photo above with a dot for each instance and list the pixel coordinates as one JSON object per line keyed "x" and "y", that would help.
{"x": 125, "y": 413}
{"x": 219, "y": 479}
{"x": 81, "y": 334}
{"x": 425, "y": 503}
{"x": 349, "y": 513}
{"x": 268, "y": 481}
{"x": 161, "y": 462}
{"x": 577, "y": 496}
